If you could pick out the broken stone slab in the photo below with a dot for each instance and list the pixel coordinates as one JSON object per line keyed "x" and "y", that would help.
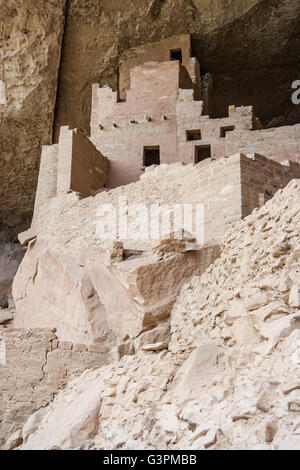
{"x": 80, "y": 418}
{"x": 294, "y": 298}
{"x": 201, "y": 369}
{"x": 144, "y": 287}
{"x": 244, "y": 332}
{"x": 256, "y": 301}
{"x": 33, "y": 423}
{"x": 155, "y": 346}
{"x": 276, "y": 331}
{"x": 175, "y": 242}
{"x": 274, "y": 308}
{"x": 281, "y": 328}
{"x": 161, "y": 333}
{"x": 60, "y": 288}
{"x": 76, "y": 295}
{"x": 210, "y": 439}
{"x": 27, "y": 236}
{"x": 236, "y": 310}
{"x": 14, "y": 441}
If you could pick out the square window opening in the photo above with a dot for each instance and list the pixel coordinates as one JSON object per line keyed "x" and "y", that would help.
{"x": 194, "y": 134}
{"x": 151, "y": 155}
{"x": 225, "y": 130}
{"x": 176, "y": 54}
{"x": 202, "y": 152}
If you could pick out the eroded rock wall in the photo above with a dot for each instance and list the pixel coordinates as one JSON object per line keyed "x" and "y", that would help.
{"x": 10, "y": 257}
{"x": 30, "y": 45}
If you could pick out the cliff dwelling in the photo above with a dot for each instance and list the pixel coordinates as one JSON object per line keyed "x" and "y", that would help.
{"x": 152, "y": 302}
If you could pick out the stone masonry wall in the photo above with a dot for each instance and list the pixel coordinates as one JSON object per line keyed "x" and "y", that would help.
{"x": 72, "y": 164}
{"x": 158, "y": 52}
{"x": 68, "y": 222}
{"x": 121, "y": 130}
{"x": 80, "y": 166}
{"x": 34, "y": 365}
{"x": 161, "y": 110}
{"x": 261, "y": 178}
{"x": 47, "y": 182}
{"x": 189, "y": 118}
{"x": 280, "y": 143}
{"x": 224, "y": 186}
{"x": 46, "y": 187}
{"x": 89, "y": 168}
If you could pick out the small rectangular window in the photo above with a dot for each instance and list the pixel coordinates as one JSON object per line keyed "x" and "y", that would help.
{"x": 194, "y": 134}
{"x": 226, "y": 129}
{"x": 176, "y": 54}
{"x": 202, "y": 152}
{"x": 151, "y": 156}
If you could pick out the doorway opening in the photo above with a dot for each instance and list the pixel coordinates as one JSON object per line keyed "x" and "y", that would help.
{"x": 202, "y": 152}
{"x": 176, "y": 54}
{"x": 151, "y": 155}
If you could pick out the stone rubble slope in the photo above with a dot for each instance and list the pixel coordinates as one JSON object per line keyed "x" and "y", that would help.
{"x": 251, "y": 292}
{"x": 230, "y": 379}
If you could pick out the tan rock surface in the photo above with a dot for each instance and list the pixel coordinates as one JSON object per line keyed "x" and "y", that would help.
{"x": 63, "y": 290}
{"x": 30, "y": 45}
{"x": 10, "y": 257}
{"x": 144, "y": 288}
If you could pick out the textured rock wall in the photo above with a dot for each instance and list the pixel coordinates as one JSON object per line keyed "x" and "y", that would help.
{"x": 10, "y": 257}
{"x": 30, "y": 44}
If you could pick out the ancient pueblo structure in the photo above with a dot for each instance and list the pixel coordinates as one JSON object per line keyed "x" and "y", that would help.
{"x": 85, "y": 301}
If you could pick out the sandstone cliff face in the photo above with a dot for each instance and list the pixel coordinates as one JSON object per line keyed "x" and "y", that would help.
{"x": 249, "y": 46}
{"x": 30, "y": 43}
{"x": 230, "y": 379}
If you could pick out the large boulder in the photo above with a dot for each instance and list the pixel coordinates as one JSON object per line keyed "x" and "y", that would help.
{"x": 144, "y": 287}
{"x": 90, "y": 299}
{"x": 52, "y": 291}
